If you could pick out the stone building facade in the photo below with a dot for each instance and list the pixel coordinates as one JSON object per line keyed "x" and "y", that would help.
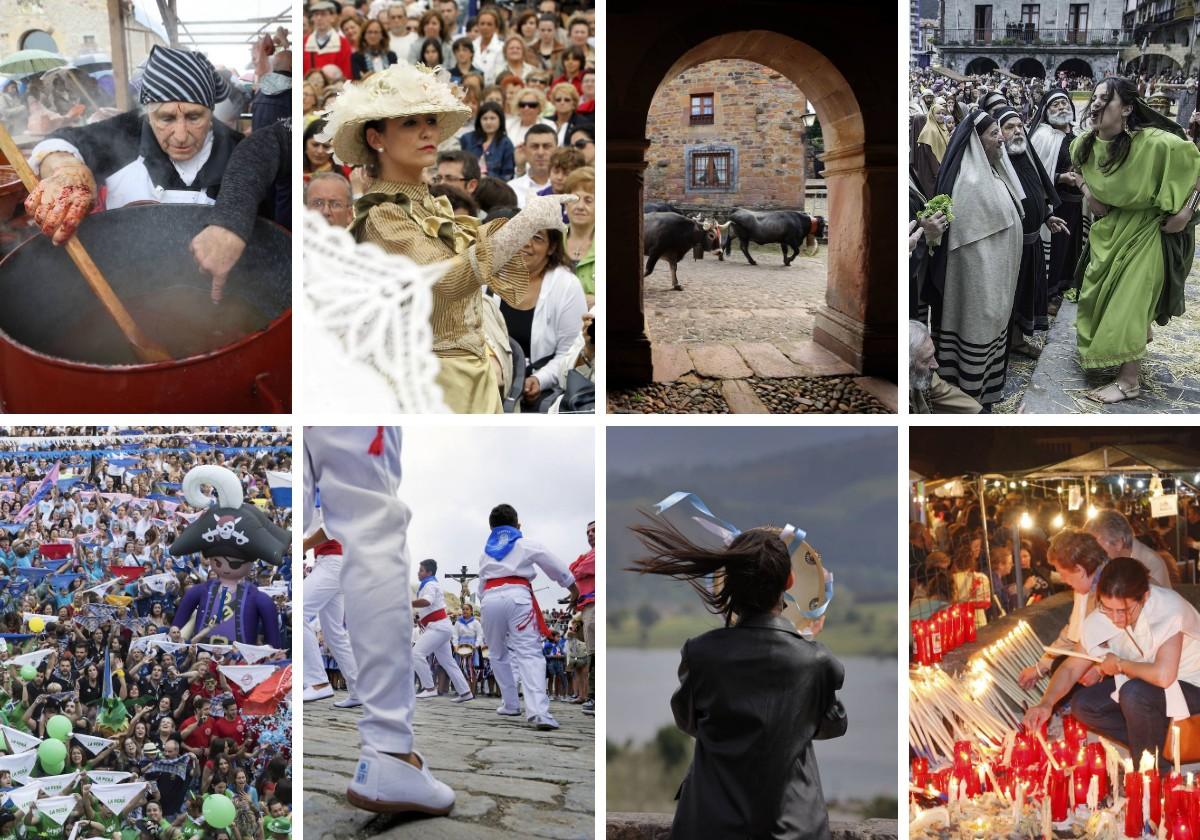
{"x": 724, "y": 134}
{"x": 69, "y": 27}
{"x": 73, "y": 26}
{"x": 1034, "y": 40}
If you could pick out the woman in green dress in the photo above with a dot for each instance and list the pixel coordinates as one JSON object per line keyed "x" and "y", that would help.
{"x": 1140, "y": 180}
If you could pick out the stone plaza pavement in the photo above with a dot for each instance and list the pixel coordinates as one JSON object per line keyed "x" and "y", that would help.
{"x": 511, "y": 781}
{"x": 1057, "y": 384}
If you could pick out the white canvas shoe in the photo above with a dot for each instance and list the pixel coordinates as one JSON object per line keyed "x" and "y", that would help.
{"x": 507, "y": 712}
{"x": 386, "y": 785}
{"x": 463, "y": 698}
{"x": 349, "y": 702}
{"x": 311, "y": 693}
{"x": 544, "y": 722}
{"x": 427, "y": 693}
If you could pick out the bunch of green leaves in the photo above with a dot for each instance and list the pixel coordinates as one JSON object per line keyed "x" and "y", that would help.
{"x": 939, "y": 203}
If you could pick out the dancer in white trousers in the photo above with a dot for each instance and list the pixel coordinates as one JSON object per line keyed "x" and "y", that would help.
{"x": 357, "y": 469}
{"x": 323, "y": 604}
{"x": 430, "y": 605}
{"x": 512, "y": 618}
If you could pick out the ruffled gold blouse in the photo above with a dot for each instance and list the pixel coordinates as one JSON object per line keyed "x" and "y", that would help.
{"x": 405, "y": 219}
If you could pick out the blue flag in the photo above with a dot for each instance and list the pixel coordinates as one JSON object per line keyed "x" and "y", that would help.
{"x": 107, "y": 691}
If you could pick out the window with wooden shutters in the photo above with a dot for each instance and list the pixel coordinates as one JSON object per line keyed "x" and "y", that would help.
{"x": 702, "y": 109}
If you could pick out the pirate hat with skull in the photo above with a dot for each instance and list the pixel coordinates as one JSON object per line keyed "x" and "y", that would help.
{"x": 231, "y": 528}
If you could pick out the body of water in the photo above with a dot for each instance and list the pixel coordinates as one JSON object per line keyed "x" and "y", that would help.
{"x": 860, "y": 764}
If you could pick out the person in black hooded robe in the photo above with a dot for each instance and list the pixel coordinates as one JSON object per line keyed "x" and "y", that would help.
{"x": 1029, "y": 305}
{"x": 1050, "y": 133}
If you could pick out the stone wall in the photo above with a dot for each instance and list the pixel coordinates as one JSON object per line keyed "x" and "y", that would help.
{"x": 756, "y": 115}
{"x": 658, "y": 827}
{"x": 68, "y": 22}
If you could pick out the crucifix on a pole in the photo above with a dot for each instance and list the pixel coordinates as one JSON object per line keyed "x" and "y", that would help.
{"x": 463, "y": 577}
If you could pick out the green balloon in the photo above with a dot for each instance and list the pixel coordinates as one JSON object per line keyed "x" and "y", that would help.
{"x": 28, "y": 672}
{"x": 52, "y": 753}
{"x": 59, "y": 727}
{"x": 219, "y": 811}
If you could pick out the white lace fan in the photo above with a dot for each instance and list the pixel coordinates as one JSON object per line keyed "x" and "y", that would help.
{"x": 368, "y": 346}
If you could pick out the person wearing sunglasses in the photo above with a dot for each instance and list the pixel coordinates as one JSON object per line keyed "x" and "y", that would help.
{"x": 1148, "y": 640}
{"x": 531, "y": 103}
{"x": 583, "y": 138}
{"x": 564, "y": 98}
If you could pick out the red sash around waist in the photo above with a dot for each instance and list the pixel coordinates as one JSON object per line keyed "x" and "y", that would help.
{"x": 436, "y": 615}
{"x": 537, "y": 611}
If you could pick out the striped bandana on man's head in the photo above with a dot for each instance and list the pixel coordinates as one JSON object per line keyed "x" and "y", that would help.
{"x": 181, "y": 76}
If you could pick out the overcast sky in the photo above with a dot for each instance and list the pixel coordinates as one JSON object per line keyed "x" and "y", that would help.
{"x": 454, "y": 477}
{"x": 195, "y": 11}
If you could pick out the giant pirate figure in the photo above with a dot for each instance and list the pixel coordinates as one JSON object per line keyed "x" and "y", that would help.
{"x": 231, "y": 536}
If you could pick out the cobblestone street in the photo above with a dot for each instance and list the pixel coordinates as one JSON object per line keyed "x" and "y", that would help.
{"x": 738, "y": 339}
{"x": 736, "y": 301}
{"x": 511, "y": 781}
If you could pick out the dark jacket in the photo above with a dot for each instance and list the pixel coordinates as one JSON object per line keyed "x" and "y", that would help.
{"x": 500, "y": 157}
{"x": 258, "y": 181}
{"x": 755, "y": 696}
{"x": 359, "y": 66}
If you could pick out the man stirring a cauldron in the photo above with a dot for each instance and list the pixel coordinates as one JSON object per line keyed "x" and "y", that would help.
{"x": 171, "y": 152}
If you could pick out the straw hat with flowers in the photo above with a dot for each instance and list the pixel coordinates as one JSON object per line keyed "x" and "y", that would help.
{"x": 402, "y": 90}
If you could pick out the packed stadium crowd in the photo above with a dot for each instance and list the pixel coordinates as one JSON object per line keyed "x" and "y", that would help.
{"x": 122, "y": 710}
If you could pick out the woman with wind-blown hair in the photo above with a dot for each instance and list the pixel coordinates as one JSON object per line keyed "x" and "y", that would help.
{"x": 1142, "y": 183}
{"x": 755, "y": 693}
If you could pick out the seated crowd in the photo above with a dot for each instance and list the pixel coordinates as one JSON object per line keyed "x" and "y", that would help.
{"x": 527, "y": 73}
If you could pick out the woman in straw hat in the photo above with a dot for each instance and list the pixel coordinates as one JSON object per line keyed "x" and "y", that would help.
{"x": 392, "y": 123}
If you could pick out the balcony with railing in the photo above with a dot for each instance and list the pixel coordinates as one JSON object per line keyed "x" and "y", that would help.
{"x": 1026, "y": 34}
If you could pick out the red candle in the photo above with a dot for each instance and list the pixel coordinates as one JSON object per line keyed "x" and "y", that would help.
{"x": 1022, "y": 753}
{"x": 1082, "y": 777}
{"x": 1134, "y": 821}
{"x": 1181, "y": 828}
{"x": 962, "y": 756}
{"x": 1154, "y": 784}
{"x": 1099, "y": 768}
{"x": 920, "y": 772}
{"x": 1058, "y": 795}
{"x": 1174, "y": 797}
{"x": 969, "y": 624}
{"x": 935, "y": 638}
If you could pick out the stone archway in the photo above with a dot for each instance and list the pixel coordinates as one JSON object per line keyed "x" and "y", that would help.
{"x": 36, "y": 39}
{"x": 1075, "y": 65}
{"x": 1029, "y": 68}
{"x": 858, "y": 320}
{"x": 980, "y": 66}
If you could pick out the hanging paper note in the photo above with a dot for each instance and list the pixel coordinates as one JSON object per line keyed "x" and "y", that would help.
{"x": 1165, "y": 505}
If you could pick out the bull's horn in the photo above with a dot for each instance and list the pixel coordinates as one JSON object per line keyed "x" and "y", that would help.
{"x": 724, "y": 227}
{"x": 229, "y": 489}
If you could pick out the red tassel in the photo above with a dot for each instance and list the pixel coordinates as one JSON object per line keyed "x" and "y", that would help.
{"x": 376, "y": 447}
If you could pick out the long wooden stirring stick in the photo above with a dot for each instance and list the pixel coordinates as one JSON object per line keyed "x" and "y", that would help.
{"x": 146, "y": 348}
